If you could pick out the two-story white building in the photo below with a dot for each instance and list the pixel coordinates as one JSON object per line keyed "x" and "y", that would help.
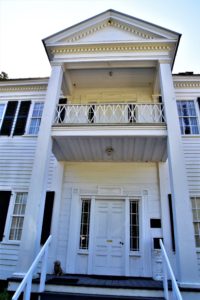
{"x": 104, "y": 156}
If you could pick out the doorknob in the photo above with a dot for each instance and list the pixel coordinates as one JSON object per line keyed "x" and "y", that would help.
{"x": 121, "y": 243}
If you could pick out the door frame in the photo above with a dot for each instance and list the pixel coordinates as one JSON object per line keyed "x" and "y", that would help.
{"x": 74, "y": 235}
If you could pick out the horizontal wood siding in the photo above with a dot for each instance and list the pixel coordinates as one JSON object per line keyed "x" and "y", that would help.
{"x": 8, "y": 259}
{"x": 191, "y": 146}
{"x": 16, "y": 162}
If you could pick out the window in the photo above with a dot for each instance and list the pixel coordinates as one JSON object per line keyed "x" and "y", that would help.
{"x": 196, "y": 219}
{"x": 36, "y": 118}
{"x": 187, "y": 117}
{"x": 18, "y": 216}
{"x": 134, "y": 225}
{"x": 2, "y": 108}
{"x": 85, "y": 225}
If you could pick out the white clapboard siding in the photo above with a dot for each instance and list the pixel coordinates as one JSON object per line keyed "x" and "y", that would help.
{"x": 8, "y": 259}
{"x": 88, "y": 177}
{"x": 16, "y": 162}
{"x": 191, "y": 147}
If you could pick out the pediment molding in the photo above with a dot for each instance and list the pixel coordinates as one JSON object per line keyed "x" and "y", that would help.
{"x": 111, "y": 23}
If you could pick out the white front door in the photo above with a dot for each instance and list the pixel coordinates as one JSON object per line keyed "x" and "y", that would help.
{"x": 109, "y": 236}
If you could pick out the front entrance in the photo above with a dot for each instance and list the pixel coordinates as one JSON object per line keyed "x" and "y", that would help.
{"x": 109, "y": 237}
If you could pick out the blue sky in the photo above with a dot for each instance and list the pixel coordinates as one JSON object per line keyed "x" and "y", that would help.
{"x": 24, "y": 23}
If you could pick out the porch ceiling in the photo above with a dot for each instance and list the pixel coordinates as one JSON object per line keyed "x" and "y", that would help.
{"x": 127, "y": 148}
{"x": 112, "y": 77}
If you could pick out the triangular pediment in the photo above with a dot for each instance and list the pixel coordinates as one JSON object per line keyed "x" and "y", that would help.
{"x": 110, "y": 31}
{"x": 108, "y": 27}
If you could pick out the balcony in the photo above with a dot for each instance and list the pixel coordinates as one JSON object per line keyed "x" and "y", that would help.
{"x": 110, "y": 131}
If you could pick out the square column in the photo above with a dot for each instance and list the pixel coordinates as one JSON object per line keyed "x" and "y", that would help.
{"x": 183, "y": 223}
{"x": 30, "y": 243}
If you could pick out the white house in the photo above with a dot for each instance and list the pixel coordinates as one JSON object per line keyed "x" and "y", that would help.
{"x": 104, "y": 156}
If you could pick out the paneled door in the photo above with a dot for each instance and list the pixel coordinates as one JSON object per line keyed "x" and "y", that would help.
{"x": 109, "y": 237}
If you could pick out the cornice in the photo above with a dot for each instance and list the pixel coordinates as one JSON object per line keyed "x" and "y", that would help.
{"x": 110, "y": 48}
{"x": 22, "y": 88}
{"x": 189, "y": 84}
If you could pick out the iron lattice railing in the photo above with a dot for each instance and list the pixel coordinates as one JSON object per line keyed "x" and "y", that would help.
{"x": 119, "y": 113}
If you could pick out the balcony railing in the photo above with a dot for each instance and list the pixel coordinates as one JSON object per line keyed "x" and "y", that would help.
{"x": 120, "y": 113}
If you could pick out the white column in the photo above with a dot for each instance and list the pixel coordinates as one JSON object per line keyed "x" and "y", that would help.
{"x": 183, "y": 224}
{"x": 30, "y": 243}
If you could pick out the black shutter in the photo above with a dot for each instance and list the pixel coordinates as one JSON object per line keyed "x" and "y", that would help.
{"x": 48, "y": 209}
{"x": 198, "y": 101}
{"x": 9, "y": 118}
{"x": 20, "y": 125}
{"x": 4, "y": 204}
{"x": 171, "y": 221}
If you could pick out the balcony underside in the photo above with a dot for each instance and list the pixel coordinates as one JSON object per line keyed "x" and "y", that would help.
{"x": 95, "y": 144}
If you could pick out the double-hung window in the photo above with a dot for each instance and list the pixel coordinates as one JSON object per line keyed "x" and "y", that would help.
{"x": 188, "y": 117}
{"x": 17, "y": 218}
{"x": 196, "y": 219}
{"x": 36, "y": 118}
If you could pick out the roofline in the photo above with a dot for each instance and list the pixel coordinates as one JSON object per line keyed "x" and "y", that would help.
{"x": 176, "y": 50}
{"x": 104, "y": 12}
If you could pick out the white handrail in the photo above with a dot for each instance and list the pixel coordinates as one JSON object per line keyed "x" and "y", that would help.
{"x": 167, "y": 270}
{"x": 25, "y": 285}
{"x": 109, "y": 113}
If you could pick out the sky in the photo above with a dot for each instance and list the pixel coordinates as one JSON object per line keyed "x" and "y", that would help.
{"x": 24, "y": 23}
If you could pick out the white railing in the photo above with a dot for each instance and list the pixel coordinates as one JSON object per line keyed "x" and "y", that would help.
{"x": 169, "y": 274}
{"x": 25, "y": 285}
{"x": 118, "y": 113}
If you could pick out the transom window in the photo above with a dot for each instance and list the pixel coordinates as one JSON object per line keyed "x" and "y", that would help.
{"x": 18, "y": 216}
{"x": 196, "y": 219}
{"x": 36, "y": 118}
{"x": 134, "y": 225}
{"x": 85, "y": 224}
{"x": 187, "y": 117}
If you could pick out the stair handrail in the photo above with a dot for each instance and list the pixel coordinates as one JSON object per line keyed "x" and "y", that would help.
{"x": 25, "y": 285}
{"x": 167, "y": 271}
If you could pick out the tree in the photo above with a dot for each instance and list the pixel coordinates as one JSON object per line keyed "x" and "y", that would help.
{"x": 3, "y": 76}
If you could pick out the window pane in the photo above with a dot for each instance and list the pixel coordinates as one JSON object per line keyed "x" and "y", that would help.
{"x": 2, "y": 107}
{"x": 36, "y": 118}
{"x": 134, "y": 225}
{"x": 196, "y": 218}
{"x": 18, "y": 216}
{"x": 85, "y": 225}
{"x": 187, "y": 117}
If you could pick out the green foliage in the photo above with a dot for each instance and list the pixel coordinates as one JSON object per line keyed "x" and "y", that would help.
{"x": 3, "y": 76}
{"x": 5, "y": 295}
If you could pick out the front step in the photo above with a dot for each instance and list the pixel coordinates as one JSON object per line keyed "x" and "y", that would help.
{"x": 68, "y": 296}
{"x": 102, "y": 287}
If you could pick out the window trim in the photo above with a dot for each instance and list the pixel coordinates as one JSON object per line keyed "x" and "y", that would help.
{"x": 6, "y": 239}
{"x": 28, "y": 124}
{"x": 4, "y": 111}
{"x": 195, "y": 221}
{"x": 197, "y": 116}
